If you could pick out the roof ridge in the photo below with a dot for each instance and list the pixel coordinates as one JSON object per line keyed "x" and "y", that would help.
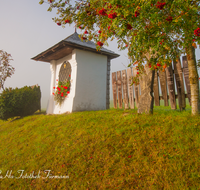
{"x": 74, "y": 38}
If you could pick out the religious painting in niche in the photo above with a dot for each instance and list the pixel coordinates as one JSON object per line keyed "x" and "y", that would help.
{"x": 65, "y": 71}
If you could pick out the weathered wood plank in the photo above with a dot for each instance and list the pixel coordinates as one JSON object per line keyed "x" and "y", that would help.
{"x": 179, "y": 69}
{"x": 125, "y": 89}
{"x": 156, "y": 90}
{"x": 171, "y": 88}
{"x": 136, "y": 88}
{"x": 119, "y": 89}
{"x": 186, "y": 76}
{"x": 130, "y": 88}
{"x": 178, "y": 85}
{"x": 162, "y": 76}
{"x": 114, "y": 88}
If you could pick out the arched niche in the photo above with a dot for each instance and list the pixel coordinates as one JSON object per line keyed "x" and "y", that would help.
{"x": 64, "y": 72}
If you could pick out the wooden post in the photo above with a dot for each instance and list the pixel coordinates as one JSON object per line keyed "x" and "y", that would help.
{"x": 114, "y": 88}
{"x": 178, "y": 85}
{"x": 179, "y": 69}
{"x": 162, "y": 76}
{"x": 156, "y": 90}
{"x": 136, "y": 88}
{"x": 130, "y": 88}
{"x": 125, "y": 89}
{"x": 186, "y": 76}
{"x": 171, "y": 88}
{"x": 119, "y": 89}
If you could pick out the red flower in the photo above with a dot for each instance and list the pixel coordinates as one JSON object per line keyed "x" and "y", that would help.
{"x": 129, "y": 26}
{"x": 58, "y": 92}
{"x": 158, "y": 65}
{"x": 61, "y": 86}
{"x": 99, "y": 31}
{"x": 62, "y": 94}
{"x": 58, "y": 23}
{"x": 138, "y": 73}
{"x": 149, "y": 66}
{"x": 65, "y": 96}
{"x": 57, "y": 80}
{"x": 193, "y": 40}
{"x": 160, "y": 5}
{"x": 126, "y": 45}
{"x": 160, "y": 43}
{"x": 103, "y": 12}
{"x": 99, "y": 43}
{"x": 78, "y": 7}
{"x": 53, "y": 93}
{"x": 53, "y": 87}
{"x": 67, "y": 21}
{"x": 129, "y": 156}
{"x": 113, "y": 15}
{"x": 197, "y": 32}
{"x": 169, "y": 18}
{"x": 67, "y": 92}
{"x": 108, "y": 27}
{"x": 86, "y": 32}
{"x": 137, "y": 13}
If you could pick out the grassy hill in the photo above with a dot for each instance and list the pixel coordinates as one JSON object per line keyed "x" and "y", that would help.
{"x": 110, "y": 149}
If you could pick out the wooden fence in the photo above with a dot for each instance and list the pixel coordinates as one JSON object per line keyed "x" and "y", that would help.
{"x": 121, "y": 81}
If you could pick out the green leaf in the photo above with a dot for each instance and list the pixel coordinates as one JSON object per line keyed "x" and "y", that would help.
{"x": 41, "y": 2}
{"x": 49, "y": 9}
{"x": 129, "y": 65}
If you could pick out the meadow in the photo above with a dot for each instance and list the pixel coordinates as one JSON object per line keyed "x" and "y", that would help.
{"x": 108, "y": 149}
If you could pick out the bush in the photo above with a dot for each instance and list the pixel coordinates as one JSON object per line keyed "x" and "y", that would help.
{"x": 19, "y": 102}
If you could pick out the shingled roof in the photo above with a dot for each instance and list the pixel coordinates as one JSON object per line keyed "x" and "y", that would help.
{"x": 66, "y": 47}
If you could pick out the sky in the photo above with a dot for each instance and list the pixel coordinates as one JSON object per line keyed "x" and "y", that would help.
{"x": 27, "y": 29}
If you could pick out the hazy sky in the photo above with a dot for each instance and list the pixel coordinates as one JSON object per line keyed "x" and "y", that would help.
{"x": 27, "y": 29}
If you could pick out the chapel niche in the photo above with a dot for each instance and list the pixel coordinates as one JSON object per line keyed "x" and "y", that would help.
{"x": 65, "y": 71}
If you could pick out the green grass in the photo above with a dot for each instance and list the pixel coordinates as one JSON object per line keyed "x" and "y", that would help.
{"x": 110, "y": 149}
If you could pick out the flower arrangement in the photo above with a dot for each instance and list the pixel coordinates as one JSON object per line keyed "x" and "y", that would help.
{"x": 62, "y": 91}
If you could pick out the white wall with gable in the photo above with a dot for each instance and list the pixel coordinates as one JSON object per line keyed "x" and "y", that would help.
{"x": 88, "y": 82}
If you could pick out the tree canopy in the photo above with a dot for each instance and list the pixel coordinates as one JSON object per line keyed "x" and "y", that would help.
{"x": 6, "y": 70}
{"x": 152, "y": 31}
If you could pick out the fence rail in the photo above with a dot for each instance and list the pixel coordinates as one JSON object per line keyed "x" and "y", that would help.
{"x": 121, "y": 84}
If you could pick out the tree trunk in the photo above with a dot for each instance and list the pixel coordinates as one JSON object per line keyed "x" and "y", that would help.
{"x": 194, "y": 80}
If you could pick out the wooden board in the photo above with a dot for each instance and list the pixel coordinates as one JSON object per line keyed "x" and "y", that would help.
{"x": 114, "y": 88}
{"x": 162, "y": 76}
{"x": 171, "y": 88}
{"x": 130, "y": 88}
{"x": 125, "y": 89}
{"x": 179, "y": 69}
{"x": 136, "y": 88}
{"x": 119, "y": 89}
{"x": 178, "y": 85}
{"x": 156, "y": 90}
{"x": 186, "y": 77}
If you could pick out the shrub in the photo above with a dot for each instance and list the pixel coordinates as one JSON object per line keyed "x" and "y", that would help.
{"x": 19, "y": 102}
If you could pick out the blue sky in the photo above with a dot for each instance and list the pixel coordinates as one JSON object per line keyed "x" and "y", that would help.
{"x": 26, "y": 30}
